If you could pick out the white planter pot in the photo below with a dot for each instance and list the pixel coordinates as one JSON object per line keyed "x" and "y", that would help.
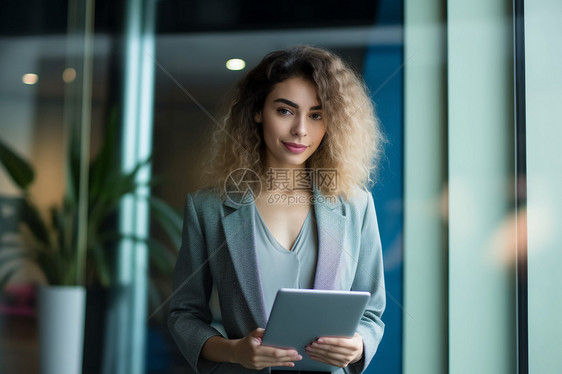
{"x": 61, "y": 329}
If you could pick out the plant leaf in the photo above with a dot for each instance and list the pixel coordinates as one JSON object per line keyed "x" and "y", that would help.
{"x": 17, "y": 168}
{"x": 163, "y": 259}
{"x": 102, "y": 265}
{"x": 7, "y": 276}
{"x": 50, "y": 264}
{"x": 73, "y": 167}
{"x": 17, "y": 254}
{"x": 170, "y": 220}
{"x": 31, "y": 217}
{"x": 115, "y": 187}
{"x": 106, "y": 162}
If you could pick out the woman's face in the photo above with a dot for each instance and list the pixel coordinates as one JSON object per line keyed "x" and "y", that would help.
{"x": 293, "y": 123}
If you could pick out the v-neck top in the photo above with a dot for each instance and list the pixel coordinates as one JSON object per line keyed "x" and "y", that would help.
{"x": 280, "y": 268}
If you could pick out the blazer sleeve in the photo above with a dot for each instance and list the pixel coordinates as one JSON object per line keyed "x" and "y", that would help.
{"x": 370, "y": 277}
{"x": 189, "y": 316}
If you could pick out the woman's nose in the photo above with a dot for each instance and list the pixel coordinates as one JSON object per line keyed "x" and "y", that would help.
{"x": 299, "y": 126}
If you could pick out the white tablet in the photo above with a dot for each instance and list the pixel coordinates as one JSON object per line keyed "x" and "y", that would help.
{"x": 299, "y": 317}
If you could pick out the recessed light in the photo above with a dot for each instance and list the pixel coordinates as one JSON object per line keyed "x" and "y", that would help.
{"x": 30, "y": 78}
{"x": 69, "y": 75}
{"x": 235, "y": 64}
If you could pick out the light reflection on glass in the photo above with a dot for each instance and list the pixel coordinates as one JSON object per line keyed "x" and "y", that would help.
{"x": 30, "y": 78}
{"x": 69, "y": 75}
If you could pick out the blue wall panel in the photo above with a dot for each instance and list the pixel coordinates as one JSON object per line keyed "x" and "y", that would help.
{"x": 383, "y": 75}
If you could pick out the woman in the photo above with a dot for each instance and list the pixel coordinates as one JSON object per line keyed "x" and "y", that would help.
{"x": 289, "y": 209}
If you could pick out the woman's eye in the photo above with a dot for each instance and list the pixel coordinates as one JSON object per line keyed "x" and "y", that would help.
{"x": 283, "y": 111}
{"x": 316, "y": 116}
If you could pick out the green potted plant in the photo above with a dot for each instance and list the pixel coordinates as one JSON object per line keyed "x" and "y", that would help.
{"x": 51, "y": 240}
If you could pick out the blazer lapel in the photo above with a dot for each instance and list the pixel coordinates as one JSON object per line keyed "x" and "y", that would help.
{"x": 239, "y": 233}
{"x": 331, "y": 231}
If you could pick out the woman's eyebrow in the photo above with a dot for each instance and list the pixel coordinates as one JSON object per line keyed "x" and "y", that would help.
{"x": 295, "y": 105}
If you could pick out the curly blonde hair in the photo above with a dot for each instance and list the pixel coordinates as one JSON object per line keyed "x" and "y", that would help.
{"x": 353, "y": 141}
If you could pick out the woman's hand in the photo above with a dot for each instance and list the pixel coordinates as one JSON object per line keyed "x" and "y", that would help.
{"x": 338, "y": 352}
{"x": 249, "y": 353}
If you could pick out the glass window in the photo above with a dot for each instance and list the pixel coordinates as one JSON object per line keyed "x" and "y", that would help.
{"x": 193, "y": 45}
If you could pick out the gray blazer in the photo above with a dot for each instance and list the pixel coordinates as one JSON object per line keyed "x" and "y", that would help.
{"x": 218, "y": 249}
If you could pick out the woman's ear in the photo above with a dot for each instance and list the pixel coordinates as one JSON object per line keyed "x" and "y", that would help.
{"x": 258, "y": 117}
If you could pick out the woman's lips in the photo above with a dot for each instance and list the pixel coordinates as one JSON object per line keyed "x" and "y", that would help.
{"x": 295, "y": 148}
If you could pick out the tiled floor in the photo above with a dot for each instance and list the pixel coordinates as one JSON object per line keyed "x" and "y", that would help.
{"x": 19, "y": 349}
{"x": 19, "y": 345}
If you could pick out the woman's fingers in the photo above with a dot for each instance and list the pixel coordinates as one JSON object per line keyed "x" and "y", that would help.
{"x": 335, "y": 345}
{"x": 269, "y": 356}
{"x": 336, "y": 351}
{"x": 251, "y": 354}
{"x": 277, "y": 353}
{"x": 331, "y": 356}
{"x": 273, "y": 356}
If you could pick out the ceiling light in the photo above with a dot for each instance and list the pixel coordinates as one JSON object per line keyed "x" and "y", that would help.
{"x": 235, "y": 64}
{"x": 30, "y": 78}
{"x": 69, "y": 75}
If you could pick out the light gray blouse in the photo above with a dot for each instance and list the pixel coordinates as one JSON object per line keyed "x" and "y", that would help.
{"x": 280, "y": 268}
